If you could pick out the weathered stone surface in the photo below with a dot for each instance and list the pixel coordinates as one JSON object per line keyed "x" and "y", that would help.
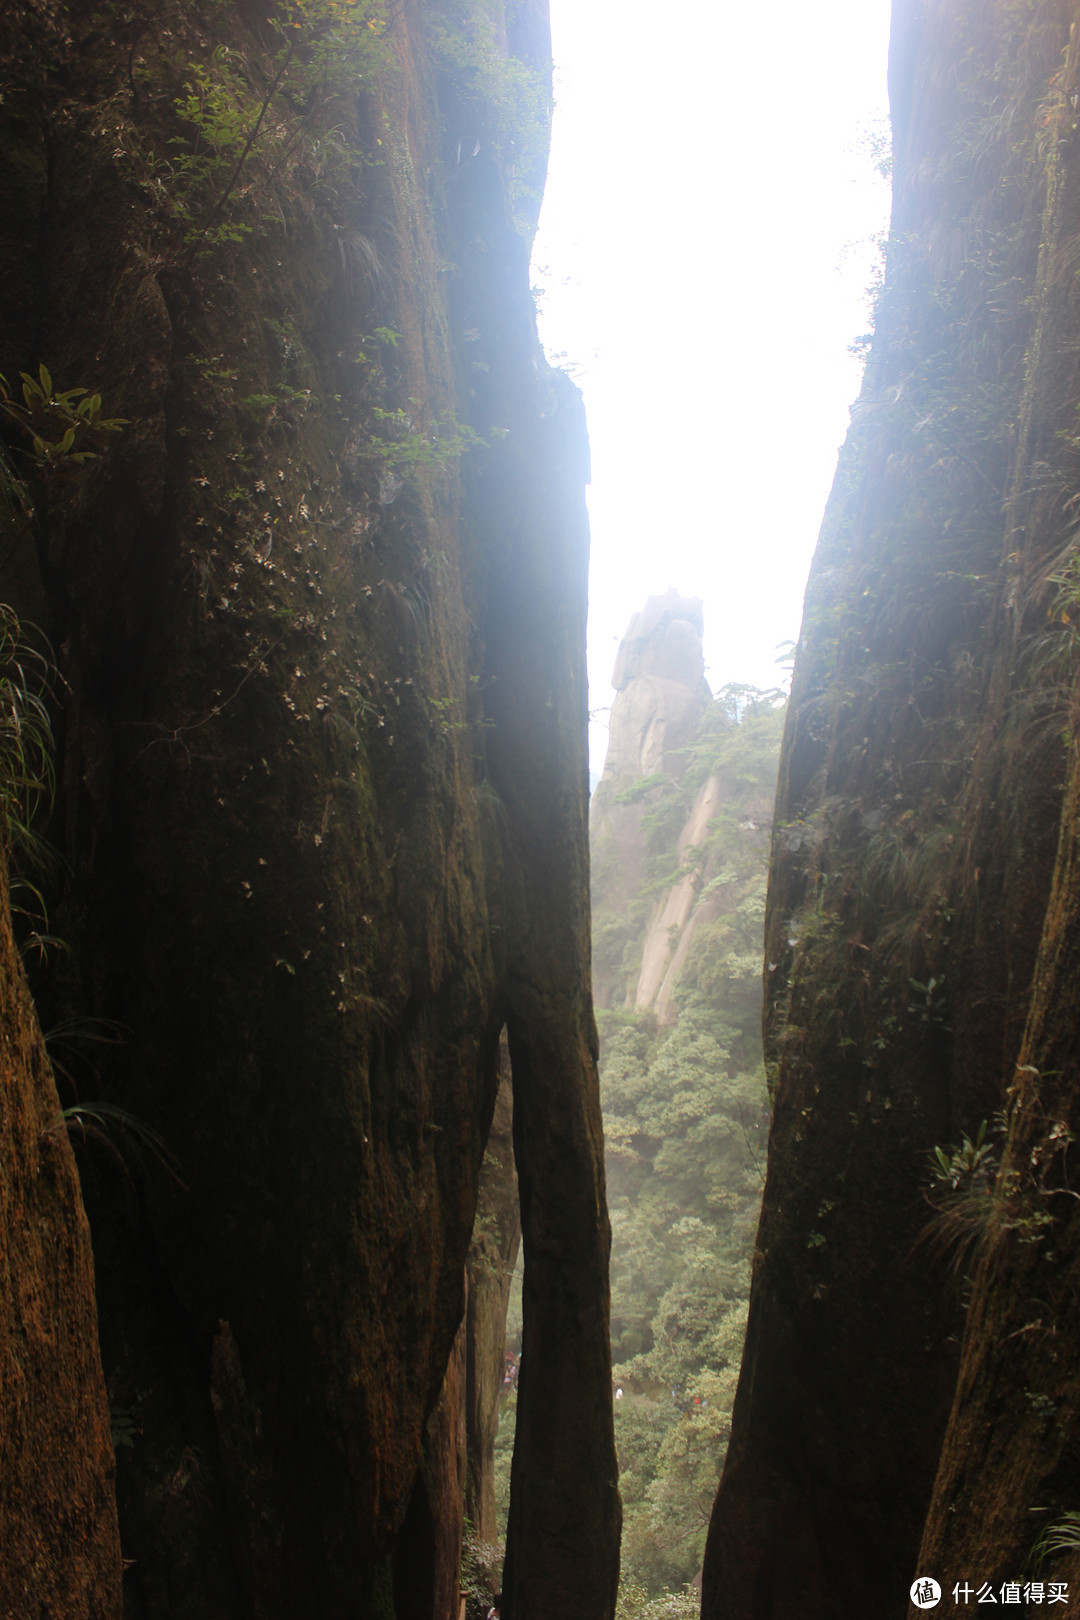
{"x": 492, "y": 1258}
{"x": 659, "y": 679}
{"x": 59, "y": 1547}
{"x": 324, "y": 798}
{"x": 1008, "y": 1471}
{"x": 564, "y": 1519}
{"x": 661, "y": 699}
{"x": 919, "y": 810}
{"x": 677, "y": 916}
{"x": 427, "y": 1556}
{"x": 661, "y": 694}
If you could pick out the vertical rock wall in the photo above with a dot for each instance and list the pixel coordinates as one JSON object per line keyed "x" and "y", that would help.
{"x": 1009, "y": 1473}
{"x": 660, "y": 696}
{"x": 61, "y": 1552}
{"x": 913, "y": 888}
{"x": 324, "y": 780}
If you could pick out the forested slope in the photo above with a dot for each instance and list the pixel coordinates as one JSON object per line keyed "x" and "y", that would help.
{"x": 680, "y": 825}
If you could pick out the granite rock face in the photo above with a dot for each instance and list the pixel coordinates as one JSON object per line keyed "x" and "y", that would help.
{"x": 659, "y": 679}
{"x": 61, "y": 1550}
{"x": 660, "y": 696}
{"x": 661, "y": 700}
{"x": 893, "y": 1420}
{"x": 323, "y": 782}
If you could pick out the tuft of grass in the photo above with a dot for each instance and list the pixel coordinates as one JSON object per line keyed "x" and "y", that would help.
{"x": 123, "y": 1134}
{"x": 27, "y": 776}
{"x": 968, "y": 1201}
{"x": 68, "y": 1039}
{"x": 27, "y": 781}
{"x": 1062, "y": 1536}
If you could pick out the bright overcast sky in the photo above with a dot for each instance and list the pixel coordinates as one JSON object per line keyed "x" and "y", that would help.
{"x": 705, "y": 249}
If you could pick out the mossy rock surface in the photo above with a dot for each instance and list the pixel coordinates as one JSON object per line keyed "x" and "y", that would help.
{"x": 322, "y": 722}
{"x": 919, "y": 845}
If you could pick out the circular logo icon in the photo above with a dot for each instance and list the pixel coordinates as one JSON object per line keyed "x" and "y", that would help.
{"x": 925, "y": 1593}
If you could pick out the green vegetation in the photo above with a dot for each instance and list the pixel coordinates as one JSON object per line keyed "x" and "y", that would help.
{"x": 27, "y": 781}
{"x": 64, "y": 426}
{"x": 635, "y": 1603}
{"x": 122, "y": 1133}
{"x": 502, "y": 103}
{"x": 972, "y": 1164}
{"x": 685, "y": 1117}
{"x": 403, "y": 443}
{"x": 26, "y": 741}
{"x": 978, "y": 1198}
{"x": 252, "y": 118}
{"x": 685, "y": 1122}
{"x": 967, "y": 1202}
{"x": 66, "y": 429}
{"x": 1058, "y": 1538}
{"x": 481, "y": 1569}
{"x": 269, "y": 114}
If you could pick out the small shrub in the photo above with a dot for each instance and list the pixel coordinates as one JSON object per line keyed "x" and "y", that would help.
{"x": 969, "y": 1203}
{"x": 636, "y": 1604}
{"x": 481, "y": 1564}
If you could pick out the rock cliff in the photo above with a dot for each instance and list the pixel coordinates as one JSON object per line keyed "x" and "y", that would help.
{"x": 663, "y": 715}
{"x": 660, "y": 696}
{"x": 680, "y": 829}
{"x": 318, "y": 610}
{"x": 893, "y": 1418}
{"x": 61, "y": 1552}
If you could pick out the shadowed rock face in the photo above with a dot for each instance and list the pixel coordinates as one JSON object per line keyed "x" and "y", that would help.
{"x": 1010, "y": 1465}
{"x": 492, "y": 1258}
{"x": 919, "y": 950}
{"x": 324, "y": 801}
{"x": 61, "y": 1552}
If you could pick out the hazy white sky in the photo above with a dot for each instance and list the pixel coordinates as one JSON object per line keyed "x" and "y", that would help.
{"x": 705, "y": 252}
